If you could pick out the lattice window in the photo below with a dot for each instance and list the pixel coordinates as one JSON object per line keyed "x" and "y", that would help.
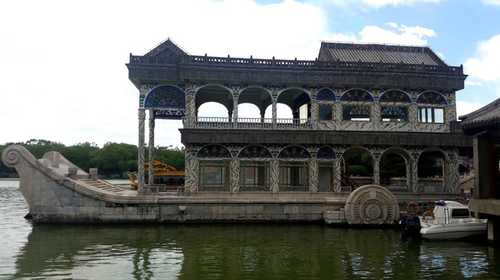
{"x": 294, "y": 152}
{"x": 214, "y": 151}
{"x": 395, "y": 96}
{"x": 357, "y": 95}
{"x": 254, "y": 152}
{"x": 394, "y": 113}
{"x": 431, "y": 98}
{"x": 356, "y": 112}
{"x": 325, "y": 95}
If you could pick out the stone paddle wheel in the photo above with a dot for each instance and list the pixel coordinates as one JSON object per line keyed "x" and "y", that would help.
{"x": 371, "y": 205}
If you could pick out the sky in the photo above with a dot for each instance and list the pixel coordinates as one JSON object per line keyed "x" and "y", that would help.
{"x": 62, "y": 63}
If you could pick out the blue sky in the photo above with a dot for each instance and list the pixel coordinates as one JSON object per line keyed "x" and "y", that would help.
{"x": 62, "y": 62}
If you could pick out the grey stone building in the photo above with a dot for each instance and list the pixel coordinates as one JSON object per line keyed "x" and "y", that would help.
{"x": 361, "y": 114}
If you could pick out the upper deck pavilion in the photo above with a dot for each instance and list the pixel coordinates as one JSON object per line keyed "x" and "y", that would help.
{"x": 339, "y": 64}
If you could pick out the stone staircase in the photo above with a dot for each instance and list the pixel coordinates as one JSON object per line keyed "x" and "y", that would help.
{"x": 102, "y": 185}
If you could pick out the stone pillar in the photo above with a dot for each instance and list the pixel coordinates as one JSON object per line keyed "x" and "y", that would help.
{"x": 452, "y": 179}
{"x": 313, "y": 174}
{"x": 376, "y": 167}
{"x": 275, "y": 114}
{"x": 151, "y": 147}
{"x": 376, "y": 114}
{"x": 337, "y": 173}
{"x": 484, "y": 160}
{"x": 192, "y": 164}
{"x": 413, "y": 116}
{"x": 275, "y": 175}
{"x": 314, "y": 114}
{"x": 235, "y": 108}
{"x": 140, "y": 151}
{"x": 190, "y": 117}
{"x": 234, "y": 171}
{"x": 337, "y": 117}
{"x": 414, "y": 171}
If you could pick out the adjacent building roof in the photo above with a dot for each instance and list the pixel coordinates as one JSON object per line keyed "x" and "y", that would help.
{"x": 485, "y": 117}
{"x": 377, "y": 53}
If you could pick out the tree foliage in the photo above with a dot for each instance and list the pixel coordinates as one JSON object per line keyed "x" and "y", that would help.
{"x": 113, "y": 160}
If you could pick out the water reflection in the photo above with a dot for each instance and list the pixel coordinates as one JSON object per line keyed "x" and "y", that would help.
{"x": 226, "y": 252}
{"x": 244, "y": 252}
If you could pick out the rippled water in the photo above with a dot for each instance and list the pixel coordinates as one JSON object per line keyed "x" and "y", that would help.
{"x": 225, "y": 251}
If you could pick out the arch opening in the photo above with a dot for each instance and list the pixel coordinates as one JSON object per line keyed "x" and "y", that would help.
{"x": 394, "y": 171}
{"x": 357, "y": 168}
{"x": 300, "y": 103}
{"x": 211, "y": 94}
{"x": 431, "y": 170}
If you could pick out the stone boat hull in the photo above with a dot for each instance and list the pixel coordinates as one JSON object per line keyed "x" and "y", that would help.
{"x": 57, "y": 191}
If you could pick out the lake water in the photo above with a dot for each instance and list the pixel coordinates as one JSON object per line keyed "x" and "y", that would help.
{"x": 225, "y": 251}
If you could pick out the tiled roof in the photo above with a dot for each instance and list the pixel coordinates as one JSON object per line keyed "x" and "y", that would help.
{"x": 486, "y": 116}
{"x": 376, "y": 53}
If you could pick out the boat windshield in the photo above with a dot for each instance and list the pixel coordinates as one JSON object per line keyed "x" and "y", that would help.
{"x": 460, "y": 213}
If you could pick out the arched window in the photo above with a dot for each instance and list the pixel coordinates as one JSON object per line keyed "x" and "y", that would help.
{"x": 431, "y": 107}
{"x": 394, "y": 106}
{"x": 254, "y": 168}
{"x": 353, "y": 111}
{"x": 325, "y": 94}
{"x": 214, "y": 168}
{"x": 325, "y": 156}
{"x": 294, "y": 171}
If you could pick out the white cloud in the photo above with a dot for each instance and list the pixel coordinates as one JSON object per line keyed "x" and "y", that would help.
{"x": 485, "y": 65}
{"x": 464, "y": 107}
{"x": 62, "y": 62}
{"x": 491, "y": 2}
{"x": 393, "y": 34}
{"x": 382, "y": 3}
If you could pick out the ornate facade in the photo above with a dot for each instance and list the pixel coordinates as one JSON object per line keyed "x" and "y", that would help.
{"x": 361, "y": 114}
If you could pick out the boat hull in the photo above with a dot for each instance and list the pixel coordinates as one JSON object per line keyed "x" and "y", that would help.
{"x": 453, "y": 231}
{"x": 56, "y": 191}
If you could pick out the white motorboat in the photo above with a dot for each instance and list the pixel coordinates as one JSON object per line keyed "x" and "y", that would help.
{"x": 451, "y": 220}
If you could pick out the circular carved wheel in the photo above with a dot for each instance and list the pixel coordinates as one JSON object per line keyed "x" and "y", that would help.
{"x": 371, "y": 205}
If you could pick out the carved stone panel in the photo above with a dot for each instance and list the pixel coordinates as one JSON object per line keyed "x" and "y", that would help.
{"x": 373, "y": 205}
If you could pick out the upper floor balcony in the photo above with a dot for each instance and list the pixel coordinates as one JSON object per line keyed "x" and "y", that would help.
{"x": 214, "y": 106}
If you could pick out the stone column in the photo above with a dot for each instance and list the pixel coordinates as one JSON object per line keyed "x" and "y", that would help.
{"x": 235, "y": 108}
{"x": 413, "y": 116}
{"x": 151, "y": 147}
{"x": 140, "y": 151}
{"x": 234, "y": 171}
{"x": 314, "y": 114}
{"x": 190, "y": 117}
{"x": 275, "y": 114}
{"x": 414, "y": 171}
{"x": 313, "y": 173}
{"x": 337, "y": 172}
{"x": 191, "y": 180}
{"x": 376, "y": 168}
{"x": 275, "y": 175}
{"x": 451, "y": 179}
{"x": 376, "y": 115}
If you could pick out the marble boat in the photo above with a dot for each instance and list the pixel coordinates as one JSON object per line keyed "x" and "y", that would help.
{"x": 57, "y": 191}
